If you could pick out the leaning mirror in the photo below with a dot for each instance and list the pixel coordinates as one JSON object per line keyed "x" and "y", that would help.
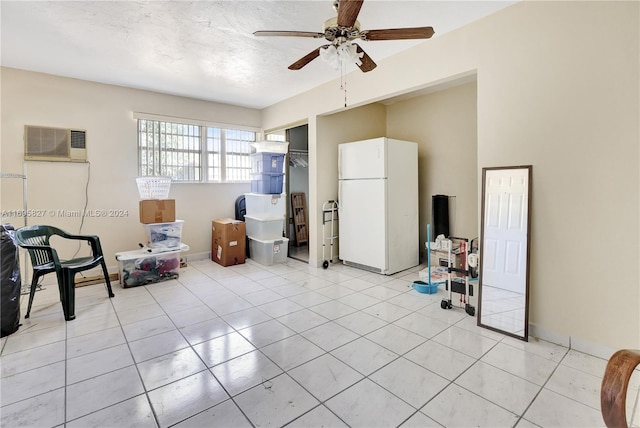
{"x": 503, "y": 302}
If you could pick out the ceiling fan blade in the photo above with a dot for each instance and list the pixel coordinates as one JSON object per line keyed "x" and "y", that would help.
{"x": 367, "y": 62}
{"x": 289, "y": 34}
{"x": 348, "y": 12}
{"x": 397, "y": 33}
{"x": 306, "y": 59}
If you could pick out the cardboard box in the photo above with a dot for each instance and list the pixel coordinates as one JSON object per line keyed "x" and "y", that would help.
{"x": 228, "y": 242}
{"x": 157, "y": 211}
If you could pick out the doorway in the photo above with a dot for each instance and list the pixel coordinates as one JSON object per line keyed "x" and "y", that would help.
{"x": 297, "y": 190}
{"x": 296, "y": 186}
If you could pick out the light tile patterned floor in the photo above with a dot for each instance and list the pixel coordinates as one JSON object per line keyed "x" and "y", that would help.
{"x": 284, "y": 345}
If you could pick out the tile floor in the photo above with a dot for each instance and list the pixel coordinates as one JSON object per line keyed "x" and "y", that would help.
{"x": 284, "y": 345}
{"x": 503, "y": 309}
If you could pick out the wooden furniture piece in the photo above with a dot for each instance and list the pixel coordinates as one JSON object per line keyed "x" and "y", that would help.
{"x": 44, "y": 259}
{"x": 299, "y": 207}
{"x": 613, "y": 393}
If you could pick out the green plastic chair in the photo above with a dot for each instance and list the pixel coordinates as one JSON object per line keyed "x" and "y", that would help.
{"x": 44, "y": 259}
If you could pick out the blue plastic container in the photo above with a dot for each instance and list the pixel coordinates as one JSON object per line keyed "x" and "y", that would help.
{"x": 425, "y": 288}
{"x": 266, "y": 183}
{"x": 267, "y": 163}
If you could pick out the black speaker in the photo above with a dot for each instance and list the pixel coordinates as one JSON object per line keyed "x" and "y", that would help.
{"x": 440, "y": 216}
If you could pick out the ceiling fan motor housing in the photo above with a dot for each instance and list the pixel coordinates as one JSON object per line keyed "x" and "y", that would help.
{"x": 336, "y": 33}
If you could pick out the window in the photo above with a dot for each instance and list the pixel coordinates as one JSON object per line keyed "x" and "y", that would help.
{"x": 237, "y": 154}
{"x": 276, "y": 137}
{"x": 194, "y": 152}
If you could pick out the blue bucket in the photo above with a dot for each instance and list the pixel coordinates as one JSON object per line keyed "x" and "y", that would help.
{"x": 425, "y": 287}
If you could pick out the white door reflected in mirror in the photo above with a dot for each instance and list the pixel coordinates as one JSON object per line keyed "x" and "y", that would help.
{"x": 504, "y": 271}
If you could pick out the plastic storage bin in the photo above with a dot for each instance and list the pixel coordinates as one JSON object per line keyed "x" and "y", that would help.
{"x": 261, "y": 228}
{"x": 271, "y": 146}
{"x": 267, "y": 162}
{"x": 141, "y": 267}
{"x": 266, "y": 183}
{"x": 265, "y": 206}
{"x": 164, "y": 235}
{"x": 425, "y": 287}
{"x": 268, "y": 251}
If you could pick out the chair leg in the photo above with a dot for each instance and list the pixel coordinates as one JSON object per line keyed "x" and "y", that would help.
{"x": 32, "y": 292}
{"x": 106, "y": 279}
{"x": 69, "y": 295}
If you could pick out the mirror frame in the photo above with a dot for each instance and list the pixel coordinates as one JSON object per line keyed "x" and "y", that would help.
{"x": 524, "y": 337}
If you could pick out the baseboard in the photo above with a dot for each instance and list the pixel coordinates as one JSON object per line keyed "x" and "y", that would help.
{"x": 549, "y": 336}
{"x": 95, "y": 279}
{"x": 197, "y": 256}
{"x": 577, "y": 344}
{"x": 594, "y": 349}
{"x": 315, "y": 263}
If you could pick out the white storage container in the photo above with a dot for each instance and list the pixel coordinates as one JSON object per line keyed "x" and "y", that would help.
{"x": 164, "y": 235}
{"x": 268, "y": 251}
{"x": 265, "y": 206}
{"x": 271, "y": 146}
{"x": 267, "y": 228}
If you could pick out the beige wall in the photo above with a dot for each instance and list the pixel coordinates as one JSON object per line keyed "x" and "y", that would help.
{"x": 565, "y": 100}
{"x": 557, "y": 88}
{"x": 106, "y": 113}
{"x": 444, "y": 126}
{"x": 352, "y": 125}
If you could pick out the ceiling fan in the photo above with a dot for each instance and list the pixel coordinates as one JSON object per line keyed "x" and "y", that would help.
{"x": 343, "y": 30}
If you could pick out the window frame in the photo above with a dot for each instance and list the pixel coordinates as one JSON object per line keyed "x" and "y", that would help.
{"x": 203, "y": 151}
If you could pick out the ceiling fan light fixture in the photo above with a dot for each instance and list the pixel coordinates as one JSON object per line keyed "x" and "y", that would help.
{"x": 341, "y": 32}
{"x": 345, "y": 53}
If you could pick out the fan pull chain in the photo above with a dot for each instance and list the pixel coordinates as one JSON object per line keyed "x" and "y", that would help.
{"x": 343, "y": 81}
{"x": 345, "y": 93}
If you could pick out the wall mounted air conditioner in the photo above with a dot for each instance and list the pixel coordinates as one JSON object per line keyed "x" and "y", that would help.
{"x": 54, "y": 144}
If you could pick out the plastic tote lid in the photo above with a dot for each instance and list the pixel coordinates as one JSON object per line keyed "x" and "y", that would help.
{"x": 271, "y": 146}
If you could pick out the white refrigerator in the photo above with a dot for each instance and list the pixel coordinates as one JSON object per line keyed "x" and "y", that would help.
{"x": 378, "y": 204}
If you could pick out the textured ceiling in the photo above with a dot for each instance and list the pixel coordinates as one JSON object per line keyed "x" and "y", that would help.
{"x": 204, "y": 49}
